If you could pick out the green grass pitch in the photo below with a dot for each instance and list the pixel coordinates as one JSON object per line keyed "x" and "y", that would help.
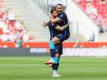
{"x": 71, "y": 68}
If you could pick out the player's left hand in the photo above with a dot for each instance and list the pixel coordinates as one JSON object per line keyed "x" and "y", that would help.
{"x": 44, "y": 24}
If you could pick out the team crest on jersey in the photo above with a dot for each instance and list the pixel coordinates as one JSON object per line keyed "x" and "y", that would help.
{"x": 61, "y": 15}
{"x": 56, "y": 50}
{"x": 52, "y": 24}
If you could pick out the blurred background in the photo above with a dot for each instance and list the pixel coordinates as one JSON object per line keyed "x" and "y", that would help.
{"x": 24, "y": 41}
{"x": 21, "y": 25}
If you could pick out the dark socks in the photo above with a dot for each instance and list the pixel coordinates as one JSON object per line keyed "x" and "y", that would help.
{"x": 55, "y": 66}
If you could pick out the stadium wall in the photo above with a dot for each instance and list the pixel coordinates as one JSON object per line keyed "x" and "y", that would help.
{"x": 96, "y": 52}
{"x": 42, "y": 48}
{"x": 83, "y": 24}
{"x": 23, "y": 51}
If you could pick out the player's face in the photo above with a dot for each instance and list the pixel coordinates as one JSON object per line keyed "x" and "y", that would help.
{"x": 55, "y": 14}
{"x": 59, "y": 8}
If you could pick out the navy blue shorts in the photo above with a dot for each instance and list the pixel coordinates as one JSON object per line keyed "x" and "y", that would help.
{"x": 59, "y": 48}
{"x": 62, "y": 37}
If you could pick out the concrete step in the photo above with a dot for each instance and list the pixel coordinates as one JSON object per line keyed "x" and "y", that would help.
{"x": 29, "y": 13}
{"x": 103, "y": 37}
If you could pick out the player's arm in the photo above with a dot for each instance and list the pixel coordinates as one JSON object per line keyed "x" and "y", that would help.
{"x": 61, "y": 28}
{"x": 57, "y": 19}
{"x": 54, "y": 20}
{"x": 45, "y": 24}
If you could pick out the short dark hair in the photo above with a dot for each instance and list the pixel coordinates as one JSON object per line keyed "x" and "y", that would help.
{"x": 60, "y": 5}
{"x": 53, "y": 9}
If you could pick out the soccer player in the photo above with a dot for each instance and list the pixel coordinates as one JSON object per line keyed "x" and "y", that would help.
{"x": 55, "y": 30}
{"x": 61, "y": 21}
{"x": 56, "y": 42}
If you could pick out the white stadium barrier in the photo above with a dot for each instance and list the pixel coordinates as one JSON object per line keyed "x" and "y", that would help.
{"x": 85, "y": 25}
{"x": 85, "y": 52}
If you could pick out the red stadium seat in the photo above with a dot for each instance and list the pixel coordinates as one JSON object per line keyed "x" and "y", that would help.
{"x": 99, "y": 5}
{"x": 7, "y": 44}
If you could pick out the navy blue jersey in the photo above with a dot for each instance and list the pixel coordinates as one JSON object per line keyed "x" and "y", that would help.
{"x": 53, "y": 31}
{"x": 64, "y": 21}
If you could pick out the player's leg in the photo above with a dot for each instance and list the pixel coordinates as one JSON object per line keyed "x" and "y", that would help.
{"x": 59, "y": 38}
{"x": 55, "y": 40}
{"x": 54, "y": 57}
{"x": 58, "y": 54}
{"x": 52, "y": 43}
{"x": 57, "y": 59}
{"x": 52, "y": 53}
{"x": 55, "y": 70}
{"x": 60, "y": 47}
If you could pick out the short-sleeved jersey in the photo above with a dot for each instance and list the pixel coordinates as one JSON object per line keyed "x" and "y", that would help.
{"x": 64, "y": 21}
{"x": 53, "y": 31}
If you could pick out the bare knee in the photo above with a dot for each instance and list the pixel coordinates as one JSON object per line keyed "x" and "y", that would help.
{"x": 56, "y": 40}
{"x": 57, "y": 55}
